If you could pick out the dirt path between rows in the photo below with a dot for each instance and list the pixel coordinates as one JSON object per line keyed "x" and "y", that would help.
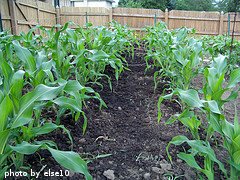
{"x": 128, "y": 130}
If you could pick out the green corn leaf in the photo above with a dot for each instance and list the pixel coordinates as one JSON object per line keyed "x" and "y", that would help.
{"x": 204, "y": 147}
{"x": 171, "y": 120}
{"x": 45, "y": 129}
{"x": 236, "y": 122}
{"x": 17, "y": 83}
{"x": 6, "y": 107}
{"x": 220, "y": 63}
{"x": 85, "y": 123}
{"x": 24, "y": 118}
{"x": 68, "y": 103}
{"x": 192, "y": 123}
{"x": 89, "y": 90}
{"x": 190, "y": 160}
{"x": 185, "y": 114}
{"x": 3, "y": 140}
{"x": 41, "y": 93}
{"x": 190, "y": 97}
{"x": 228, "y": 129}
{"x": 25, "y": 56}
{"x": 214, "y": 80}
{"x": 234, "y": 78}
{"x": 5, "y": 68}
{"x": 214, "y": 120}
{"x": 5, "y": 155}
{"x": 179, "y": 57}
{"x": 177, "y": 140}
{"x": 73, "y": 86}
{"x": 48, "y": 128}
{"x": 26, "y": 148}
{"x": 39, "y": 78}
{"x": 71, "y": 161}
{"x": 42, "y": 60}
{"x": 2, "y": 96}
{"x": 213, "y": 106}
{"x": 48, "y": 143}
{"x": 218, "y": 83}
{"x": 236, "y": 157}
{"x": 98, "y": 55}
{"x": 236, "y": 142}
{"x": 49, "y": 74}
{"x": 233, "y": 164}
{"x": 2, "y": 172}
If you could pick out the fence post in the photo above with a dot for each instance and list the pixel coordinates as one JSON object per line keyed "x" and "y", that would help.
{"x": 1, "y": 25}
{"x": 221, "y": 24}
{"x": 86, "y": 18}
{"x": 155, "y": 19}
{"x": 111, "y": 14}
{"x": 56, "y": 3}
{"x": 38, "y": 11}
{"x": 58, "y": 20}
{"x": 166, "y": 17}
{"x": 12, "y": 8}
{"x": 229, "y": 21}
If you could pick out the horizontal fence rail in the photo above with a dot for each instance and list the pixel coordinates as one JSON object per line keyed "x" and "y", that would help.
{"x": 21, "y": 15}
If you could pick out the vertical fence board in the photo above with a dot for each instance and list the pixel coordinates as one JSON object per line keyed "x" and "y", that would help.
{"x": 6, "y": 19}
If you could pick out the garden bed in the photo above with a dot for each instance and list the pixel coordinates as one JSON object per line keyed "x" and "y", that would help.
{"x": 128, "y": 131}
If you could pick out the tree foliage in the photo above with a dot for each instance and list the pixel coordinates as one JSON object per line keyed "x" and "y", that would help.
{"x": 148, "y": 4}
{"x": 193, "y": 5}
{"x": 189, "y": 5}
{"x": 228, "y": 5}
{"x": 129, "y": 4}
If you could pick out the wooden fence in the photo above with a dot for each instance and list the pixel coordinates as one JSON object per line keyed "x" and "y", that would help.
{"x": 21, "y": 15}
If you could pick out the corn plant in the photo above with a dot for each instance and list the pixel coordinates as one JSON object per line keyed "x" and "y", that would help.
{"x": 176, "y": 56}
{"x": 211, "y": 109}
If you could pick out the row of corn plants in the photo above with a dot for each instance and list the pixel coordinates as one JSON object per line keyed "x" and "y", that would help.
{"x": 207, "y": 113}
{"x": 53, "y": 70}
{"x": 215, "y": 45}
{"x": 178, "y": 58}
